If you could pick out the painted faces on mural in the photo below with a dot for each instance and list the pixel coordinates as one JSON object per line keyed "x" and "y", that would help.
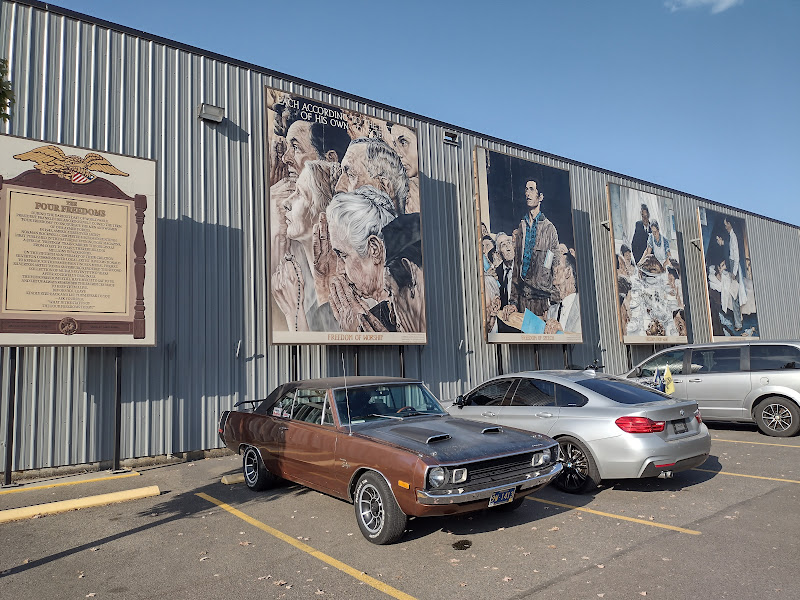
{"x": 299, "y": 149}
{"x": 404, "y": 141}
{"x": 298, "y": 208}
{"x": 506, "y": 246}
{"x": 533, "y": 197}
{"x": 364, "y": 272}
{"x": 354, "y": 170}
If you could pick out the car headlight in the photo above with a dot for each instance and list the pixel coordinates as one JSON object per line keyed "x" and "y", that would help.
{"x": 459, "y": 475}
{"x": 541, "y": 458}
{"x": 436, "y": 477}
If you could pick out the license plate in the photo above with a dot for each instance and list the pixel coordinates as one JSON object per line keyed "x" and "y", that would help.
{"x": 501, "y": 497}
{"x": 680, "y": 426}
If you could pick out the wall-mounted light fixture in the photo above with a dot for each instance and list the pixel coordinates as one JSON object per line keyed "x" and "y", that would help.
{"x": 451, "y": 137}
{"x": 209, "y": 112}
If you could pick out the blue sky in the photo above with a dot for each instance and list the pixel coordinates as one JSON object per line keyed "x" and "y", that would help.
{"x": 698, "y": 95}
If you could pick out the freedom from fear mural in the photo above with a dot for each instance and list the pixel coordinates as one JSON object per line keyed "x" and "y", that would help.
{"x": 729, "y": 277}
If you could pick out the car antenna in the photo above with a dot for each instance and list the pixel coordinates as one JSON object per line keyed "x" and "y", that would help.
{"x": 347, "y": 398}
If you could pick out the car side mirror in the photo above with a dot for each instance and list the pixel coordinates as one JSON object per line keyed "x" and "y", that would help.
{"x": 459, "y": 401}
{"x": 638, "y": 371}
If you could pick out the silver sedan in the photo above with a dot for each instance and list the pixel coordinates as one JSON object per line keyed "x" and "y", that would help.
{"x": 607, "y": 427}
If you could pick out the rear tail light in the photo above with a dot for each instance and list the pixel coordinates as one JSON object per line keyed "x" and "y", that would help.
{"x": 640, "y": 425}
{"x": 697, "y": 416}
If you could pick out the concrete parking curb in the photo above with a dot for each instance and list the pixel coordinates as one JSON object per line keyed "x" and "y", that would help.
{"x": 26, "y": 512}
{"x": 231, "y": 479}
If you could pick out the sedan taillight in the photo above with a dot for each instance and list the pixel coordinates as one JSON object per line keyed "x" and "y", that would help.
{"x": 697, "y": 416}
{"x": 640, "y": 425}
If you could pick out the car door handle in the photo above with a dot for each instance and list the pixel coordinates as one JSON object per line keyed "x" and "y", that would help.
{"x": 695, "y": 380}
{"x": 488, "y": 414}
{"x": 543, "y": 415}
{"x": 677, "y": 381}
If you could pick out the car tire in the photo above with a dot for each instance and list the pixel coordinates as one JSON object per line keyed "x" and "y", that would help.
{"x": 256, "y": 475}
{"x": 579, "y": 474}
{"x": 377, "y": 513}
{"x": 777, "y": 416}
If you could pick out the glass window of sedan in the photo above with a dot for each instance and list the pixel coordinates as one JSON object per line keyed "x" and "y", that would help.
{"x": 491, "y": 394}
{"x": 534, "y": 392}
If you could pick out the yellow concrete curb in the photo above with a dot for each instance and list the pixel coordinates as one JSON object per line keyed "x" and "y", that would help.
{"x": 30, "y": 488}
{"x": 51, "y": 508}
{"x": 231, "y": 479}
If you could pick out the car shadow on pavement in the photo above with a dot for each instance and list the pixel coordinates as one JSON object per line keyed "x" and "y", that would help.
{"x": 172, "y": 508}
{"x": 481, "y": 521}
{"x": 720, "y": 427}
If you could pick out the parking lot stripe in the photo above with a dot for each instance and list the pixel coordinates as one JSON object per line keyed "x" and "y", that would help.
{"x": 52, "y": 485}
{"x": 748, "y": 476}
{"x": 756, "y": 443}
{"x": 621, "y": 517}
{"x": 371, "y": 581}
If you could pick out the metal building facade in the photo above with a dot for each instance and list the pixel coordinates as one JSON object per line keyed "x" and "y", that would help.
{"x": 84, "y": 82}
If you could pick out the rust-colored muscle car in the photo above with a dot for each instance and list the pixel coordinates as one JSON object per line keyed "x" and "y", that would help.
{"x": 387, "y": 446}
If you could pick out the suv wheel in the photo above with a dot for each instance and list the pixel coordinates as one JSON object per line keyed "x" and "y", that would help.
{"x": 777, "y": 416}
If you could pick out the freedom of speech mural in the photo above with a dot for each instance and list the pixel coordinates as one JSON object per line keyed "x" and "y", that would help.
{"x": 729, "y": 277}
{"x": 345, "y": 264}
{"x": 648, "y": 273}
{"x": 527, "y": 251}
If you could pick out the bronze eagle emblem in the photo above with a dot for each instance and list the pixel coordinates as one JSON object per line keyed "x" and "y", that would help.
{"x": 52, "y": 160}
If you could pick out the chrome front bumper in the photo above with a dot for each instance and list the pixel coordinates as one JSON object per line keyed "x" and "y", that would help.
{"x": 460, "y": 496}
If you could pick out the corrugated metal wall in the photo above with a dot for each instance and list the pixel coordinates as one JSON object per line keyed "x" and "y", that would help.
{"x": 81, "y": 82}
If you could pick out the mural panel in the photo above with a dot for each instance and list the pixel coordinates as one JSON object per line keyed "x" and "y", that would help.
{"x": 345, "y": 262}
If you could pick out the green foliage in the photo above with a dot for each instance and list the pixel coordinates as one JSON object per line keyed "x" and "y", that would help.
{"x": 6, "y": 93}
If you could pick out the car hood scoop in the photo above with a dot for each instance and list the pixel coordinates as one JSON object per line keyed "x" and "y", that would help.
{"x": 452, "y": 439}
{"x": 421, "y": 434}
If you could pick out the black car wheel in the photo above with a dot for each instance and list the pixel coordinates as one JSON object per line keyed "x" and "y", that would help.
{"x": 378, "y": 515}
{"x": 256, "y": 475}
{"x": 579, "y": 473}
{"x": 777, "y": 416}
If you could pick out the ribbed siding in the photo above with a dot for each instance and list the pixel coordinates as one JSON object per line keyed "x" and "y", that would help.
{"x": 84, "y": 84}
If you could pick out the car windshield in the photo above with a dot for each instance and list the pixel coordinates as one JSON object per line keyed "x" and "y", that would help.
{"x": 625, "y": 392}
{"x": 382, "y": 401}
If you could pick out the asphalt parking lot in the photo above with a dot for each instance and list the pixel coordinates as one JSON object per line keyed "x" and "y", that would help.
{"x": 729, "y": 529}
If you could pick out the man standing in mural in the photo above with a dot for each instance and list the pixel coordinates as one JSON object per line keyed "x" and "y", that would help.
{"x": 565, "y": 315}
{"x": 734, "y": 268}
{"x": 504, "y": 271}
{"x": 641, "y": 234}
{"x": 536, "y": 243}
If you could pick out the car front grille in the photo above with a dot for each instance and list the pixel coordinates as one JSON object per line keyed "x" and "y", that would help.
{"x": 487, "y": 472}
{"x": 491, "y": 473}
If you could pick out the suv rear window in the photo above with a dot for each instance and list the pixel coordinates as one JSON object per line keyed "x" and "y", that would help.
{"x": 624, "y": 392}
{"x": 774, "y": 358}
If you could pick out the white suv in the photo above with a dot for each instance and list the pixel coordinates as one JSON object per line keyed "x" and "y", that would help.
{"x": 735, "y": 381}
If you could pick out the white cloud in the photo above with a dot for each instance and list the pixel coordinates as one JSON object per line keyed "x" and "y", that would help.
{"x": 717, "y": 6}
